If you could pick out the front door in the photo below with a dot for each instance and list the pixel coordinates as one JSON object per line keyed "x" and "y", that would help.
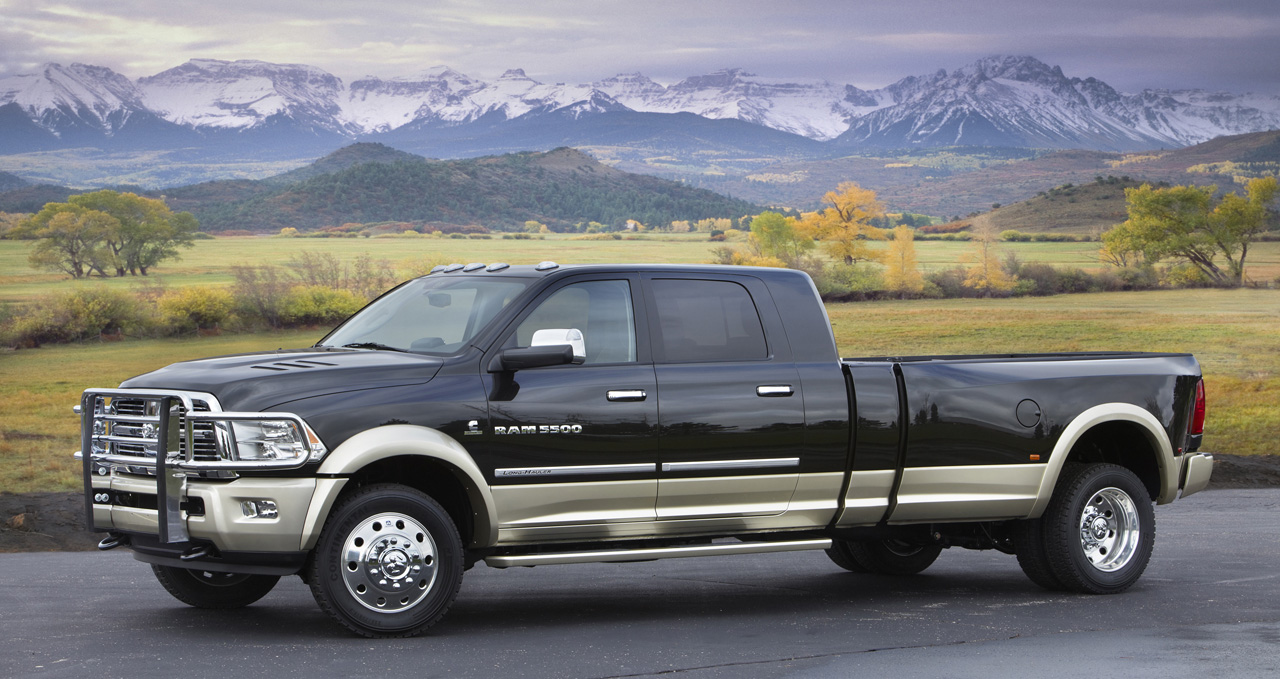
{"x": 572, "y": 449}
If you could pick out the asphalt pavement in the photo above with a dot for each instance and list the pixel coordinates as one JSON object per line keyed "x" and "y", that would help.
{"x": 1208, "y": 605}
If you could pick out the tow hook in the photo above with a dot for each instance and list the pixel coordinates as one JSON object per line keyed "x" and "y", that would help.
{"x": 194, "y": 553}
{"x": 112, "y": 541}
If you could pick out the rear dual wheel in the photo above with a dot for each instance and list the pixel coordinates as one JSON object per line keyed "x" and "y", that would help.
{"x": 886, "y": 557}
{"x": 1096, "y": 536}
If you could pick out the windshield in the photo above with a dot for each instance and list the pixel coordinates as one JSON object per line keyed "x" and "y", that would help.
{"x": 434, "y": 315}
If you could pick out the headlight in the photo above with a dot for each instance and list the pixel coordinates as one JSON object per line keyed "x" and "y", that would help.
{"x": 278, "y": 440}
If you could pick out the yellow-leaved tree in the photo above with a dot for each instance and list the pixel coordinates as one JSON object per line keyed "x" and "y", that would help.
{"x": 844, "y": 227}
{"x": 902, "y": 273}
{"x": 985, "y": 273}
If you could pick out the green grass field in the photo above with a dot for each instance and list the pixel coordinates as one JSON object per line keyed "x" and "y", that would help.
{"x": 1232, "y": 332}
{"x": 209, "y": 261}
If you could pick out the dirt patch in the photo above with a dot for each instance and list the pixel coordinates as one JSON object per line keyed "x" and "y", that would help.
{"x": 54, "y": 522}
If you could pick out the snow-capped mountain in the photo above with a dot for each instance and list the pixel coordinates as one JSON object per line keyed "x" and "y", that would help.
{"x": 76, "y": 97}
{"x": 997, "y": 101}
{"x": 1021, "y": 101}
{"x": 208, "y": 93}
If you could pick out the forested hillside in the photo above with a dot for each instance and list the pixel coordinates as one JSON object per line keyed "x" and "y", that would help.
{"x": 560, "y": 188}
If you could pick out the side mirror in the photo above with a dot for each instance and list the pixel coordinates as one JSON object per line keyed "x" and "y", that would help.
{"x": 548, "y": 347}
{"x": 554, "y": 336}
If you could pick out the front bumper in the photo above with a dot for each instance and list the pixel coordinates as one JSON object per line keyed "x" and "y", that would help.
{"x": 1196, "y": 470}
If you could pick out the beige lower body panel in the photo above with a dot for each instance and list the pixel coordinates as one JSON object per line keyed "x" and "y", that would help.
{"x": 868, "y": 497}
{"x": 1196, "y": 470}
{"x": 972, "y": 493}
{"x": 812, "y": 505}
{"x": 708, "y": 497}
{"x": 223, "y": 523}
{"x": 536, "y": 505}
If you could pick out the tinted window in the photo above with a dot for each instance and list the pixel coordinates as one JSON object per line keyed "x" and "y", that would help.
{"x": 601, "y": 310}
{"x": 707, "y": 321}
{"x": 438, "y": 314}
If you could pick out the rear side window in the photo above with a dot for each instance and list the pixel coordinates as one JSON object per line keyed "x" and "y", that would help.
{"x": 702, "y": 320}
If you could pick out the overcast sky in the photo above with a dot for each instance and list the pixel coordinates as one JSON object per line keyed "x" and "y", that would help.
{"x": 1131, "y": 44}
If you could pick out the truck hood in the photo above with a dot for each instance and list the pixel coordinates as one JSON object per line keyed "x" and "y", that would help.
{"x": 261, "y": 381}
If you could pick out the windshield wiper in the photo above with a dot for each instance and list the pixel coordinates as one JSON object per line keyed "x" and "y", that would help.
{"x": 371, "y": 345}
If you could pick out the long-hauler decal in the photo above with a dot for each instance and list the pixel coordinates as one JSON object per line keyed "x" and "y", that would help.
{"x": 539, "y": 429}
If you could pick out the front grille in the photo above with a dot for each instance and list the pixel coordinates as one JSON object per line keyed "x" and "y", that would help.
{"x": 129, "y": 427}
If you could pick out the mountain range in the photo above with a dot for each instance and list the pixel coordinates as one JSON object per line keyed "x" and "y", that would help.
{"x": 258, "y": 109}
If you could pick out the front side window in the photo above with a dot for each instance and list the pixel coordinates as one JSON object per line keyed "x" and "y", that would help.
{"x": 601, "y": 310}
{"x": 432, "y": 315}
{"x": 701, "y": 320}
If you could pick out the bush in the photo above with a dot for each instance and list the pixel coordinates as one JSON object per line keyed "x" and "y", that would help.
{"x": 1186, "y": 275}
{"x": 87, "y": 313}
{"x": 258, "y": 293}
{"x": 950, "y": 282}
{"x": 318, "y": 305}
{"x": 196, "y": 308}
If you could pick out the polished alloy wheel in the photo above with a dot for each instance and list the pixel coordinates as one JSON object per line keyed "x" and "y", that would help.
{"x": 1109, "y": 529}
{"x": 389, "y": 562}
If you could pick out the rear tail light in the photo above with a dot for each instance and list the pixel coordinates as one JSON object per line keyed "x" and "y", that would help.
{"x": 1197, "y": 416}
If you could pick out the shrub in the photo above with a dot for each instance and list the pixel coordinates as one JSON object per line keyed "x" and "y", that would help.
{"x": 258, "y": 293}
{"x": 87, "y": 313}
{"x": 318, "y": 305}
{"x": 950, "y": 282}
{"x": 195, "y": 308}
{"x": 1186, "y": 275}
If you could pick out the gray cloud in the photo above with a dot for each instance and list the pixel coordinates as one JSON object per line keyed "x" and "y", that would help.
{"x": 1228, "y": 44}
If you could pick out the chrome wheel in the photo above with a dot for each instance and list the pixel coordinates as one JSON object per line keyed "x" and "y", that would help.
{"x": 389, "y": 562}
{"x": 1109, "y": 529}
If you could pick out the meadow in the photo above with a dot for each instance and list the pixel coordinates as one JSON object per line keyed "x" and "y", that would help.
{"x": 1232, "y": 332}
{"x": 209, "y": 262}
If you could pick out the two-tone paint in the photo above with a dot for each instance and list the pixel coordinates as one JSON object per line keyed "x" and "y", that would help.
{"x": 794, "y": 441}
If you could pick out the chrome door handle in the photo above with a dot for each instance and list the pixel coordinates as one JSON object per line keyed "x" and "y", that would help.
{"x": 774, "y": 390}
{"x": 625, "y": 395}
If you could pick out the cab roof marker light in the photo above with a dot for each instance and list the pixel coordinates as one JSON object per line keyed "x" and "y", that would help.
{"x": 498, "y": 266}
{"x": 451, "y": 268}
{"x": 546, "y": 266}
{"x": 436, "y": 269}
{"x": 474, "y": 266}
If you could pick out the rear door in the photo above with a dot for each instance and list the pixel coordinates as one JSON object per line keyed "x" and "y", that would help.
{"x": 731, "y": 411}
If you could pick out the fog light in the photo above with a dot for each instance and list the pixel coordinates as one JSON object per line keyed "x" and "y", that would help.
{"x": 259, "y": 509}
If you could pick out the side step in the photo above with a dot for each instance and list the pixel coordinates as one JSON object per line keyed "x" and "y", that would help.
{"x": 610, "y": 555}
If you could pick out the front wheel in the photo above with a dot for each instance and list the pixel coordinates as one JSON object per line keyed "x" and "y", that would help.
{"x": 388, "y": 563}
{"x": 207, "y": 589}
{"x": 1099, "y": 529}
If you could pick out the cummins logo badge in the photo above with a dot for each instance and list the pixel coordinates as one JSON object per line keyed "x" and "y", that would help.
{"x": 539, "y": 429}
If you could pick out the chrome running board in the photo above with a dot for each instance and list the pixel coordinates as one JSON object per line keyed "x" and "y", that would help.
{"x": 610, "y": 555}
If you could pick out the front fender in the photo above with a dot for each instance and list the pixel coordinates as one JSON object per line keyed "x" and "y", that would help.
{"x": 399, "y": 440}
{"x": 1101, "y": 414}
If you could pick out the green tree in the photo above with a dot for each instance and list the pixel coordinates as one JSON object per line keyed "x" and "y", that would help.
{"x": 845, "y": 228}
{"x": 138, "y": 232}
{"x": 773, "y": 235}
{"x": 71, "y": 239}
{"x": 1181, "y": 222}
{"x": 902, "y": 273}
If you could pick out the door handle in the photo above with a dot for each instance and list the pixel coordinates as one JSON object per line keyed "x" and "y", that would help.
{"x": 774, "y": 390}
{"x": 625, "y": 395}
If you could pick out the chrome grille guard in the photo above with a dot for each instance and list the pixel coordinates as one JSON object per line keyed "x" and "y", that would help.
{"x": 174, "y": 444}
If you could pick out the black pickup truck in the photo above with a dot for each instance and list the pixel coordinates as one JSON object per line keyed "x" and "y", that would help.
{"x": 531, "y": 415}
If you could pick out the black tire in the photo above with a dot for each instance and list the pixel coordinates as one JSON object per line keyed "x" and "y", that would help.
{"x": 1028, "y": 543}
{"x": 893, "y": 557}
{"x": 207, "y": 589}
{"x": 1099, "y": 529}
{"x": 840, "y": 554}
{"x": 388, "y": 563}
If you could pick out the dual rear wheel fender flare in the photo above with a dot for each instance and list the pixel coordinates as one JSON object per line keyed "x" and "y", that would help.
{"x": 1102, "y": 414}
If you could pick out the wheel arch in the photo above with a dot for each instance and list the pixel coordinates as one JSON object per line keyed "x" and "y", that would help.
{"x": 418, "y": 457}
{"x": 1120, "y": 433}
